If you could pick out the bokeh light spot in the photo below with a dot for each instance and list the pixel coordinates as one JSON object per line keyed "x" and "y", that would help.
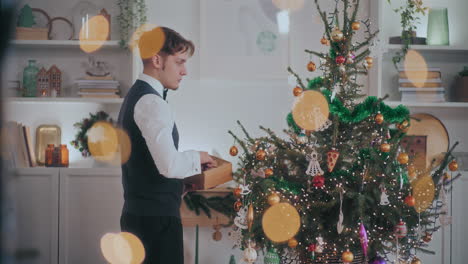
{"x": 103, "y": 141}
{"x": 94, "y": 33}
{"x": 148, "y": 39}
{"x": 415, "y": 68}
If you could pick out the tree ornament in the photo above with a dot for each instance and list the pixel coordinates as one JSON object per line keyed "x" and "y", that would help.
{"x": 403, "y": 126}
{"x": 340, "y": 59}
{"x": 260, "y": 155}
{"x": 427, "y": 237}
{"x": 273, "y": 199}
{"x": 379, "y": 118}
{"x": 324, "y": 41}
{"x": 311, "y": 248}
{"x": 347, "y": 256}
{"x": 314, "y": 166}
{"x": 339, "y": 225}
{"x": 292, "y": 243}
{"x": 250, "y": 217}
{"x": 378, "y": 260}
{"x": 311, "y": 66}
{"x": 337, "y": 35}
{"x": 268, "y": 172}
{"x": 350, "y": 58}
{"x": 453, "y": 165}
{"x": 232, "y": 260}
{"x": 403, "y": 158}
{"x": 384, "y": 197}
{"x": 363, "y": 238}
{"x": 271, "y": 257}
{"x": 302, "y": 138}
{"x": 241, "y": 219}
{"x": 342, "y": 69}
{"x": 416, "y": 261}
{"x": 297, "y": 91}
{"x": 217, "y": 235}
{"x": 332, "y": 158}
{"x": 319, "y": 246}
{"x": 385, "y": 147}
{"x": 237, "y": 192}
{"x": 410, "y": 201}
{"x": 237, "y": 206}
{"x": 369, "y": 60}
{"x": 446, "y": 176}
{"x": 318, "y": 181}
{"x": 233, "y": 151}
{"x": 250, "y": 255}
{"x": 356, "y": 25}
{"x": 401, "y": 230}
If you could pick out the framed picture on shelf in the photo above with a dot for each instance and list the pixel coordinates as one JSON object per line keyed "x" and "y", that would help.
{"x": 241, "y": 40}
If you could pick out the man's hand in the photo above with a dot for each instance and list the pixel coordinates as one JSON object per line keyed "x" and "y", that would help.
{"x": 206, "y": 160}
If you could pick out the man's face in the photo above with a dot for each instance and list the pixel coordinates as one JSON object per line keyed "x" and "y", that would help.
{"x": 173, "y": 70}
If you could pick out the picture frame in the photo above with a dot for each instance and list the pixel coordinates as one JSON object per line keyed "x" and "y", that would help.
{"x": 240, "y": 40}
{"x": 60, "y": 28}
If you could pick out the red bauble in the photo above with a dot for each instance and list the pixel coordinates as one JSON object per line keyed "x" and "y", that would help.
{"x": 311, "y": 248}
{"x": 340, "y": 59}
{"x": 410, "y": 200}
{"x": 318, "y": 181}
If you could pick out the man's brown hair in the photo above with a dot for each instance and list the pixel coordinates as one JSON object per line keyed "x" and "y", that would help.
{"x": 150, "y": 43}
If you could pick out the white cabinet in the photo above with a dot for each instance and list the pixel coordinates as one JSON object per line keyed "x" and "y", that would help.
{"x": 36, "y": 198}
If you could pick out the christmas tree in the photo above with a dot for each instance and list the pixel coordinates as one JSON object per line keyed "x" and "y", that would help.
{"x": 340, "y": 186}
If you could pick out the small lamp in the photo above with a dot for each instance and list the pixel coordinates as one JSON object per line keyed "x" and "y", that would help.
{"x": 437, "y": 27}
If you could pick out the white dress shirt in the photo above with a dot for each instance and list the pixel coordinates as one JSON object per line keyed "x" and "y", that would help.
{"x": 155, "y": 119}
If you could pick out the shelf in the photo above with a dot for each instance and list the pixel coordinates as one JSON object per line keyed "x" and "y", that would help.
{"x": 428, "y": 104}
{"x": 62, "y": 43}
{"x": 63, "y": 100}
{"x": 394, "y": 47}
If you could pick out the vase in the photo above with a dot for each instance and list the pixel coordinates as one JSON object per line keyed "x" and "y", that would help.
{"x": 29, "y": 79}
{"x": 437, "y": 27}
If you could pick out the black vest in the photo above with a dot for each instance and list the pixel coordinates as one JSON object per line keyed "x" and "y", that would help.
{"x": 146, "y": 191}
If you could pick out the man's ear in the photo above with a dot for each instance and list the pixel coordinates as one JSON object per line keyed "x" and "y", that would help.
{"x": 157, "y": 62}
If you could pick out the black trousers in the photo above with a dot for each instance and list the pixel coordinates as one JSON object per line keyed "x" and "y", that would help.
{"x": 162, "y": 237}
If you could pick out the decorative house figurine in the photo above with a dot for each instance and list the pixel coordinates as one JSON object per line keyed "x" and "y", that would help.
{"x": 106, "y": 16}
{"x": 55, "y": 77}
{"x": 43, "y": 83}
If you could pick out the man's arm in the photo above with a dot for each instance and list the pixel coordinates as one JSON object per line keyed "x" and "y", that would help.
{"x": 154, "y": 119}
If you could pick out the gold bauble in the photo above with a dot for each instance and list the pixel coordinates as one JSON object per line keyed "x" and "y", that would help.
{"x": 237, "y": 192}
{"x": 268, "y": 172}
{"x": 237, "y": 206}
{"x": 403, "y": 158}
{"x": 281, "y": 222}
{"x": 250, "y": 216}
{"x": 379, "y": 118}
{"x": 233, "y": 151}
{"x": 292, "y": 243}
{"x": 385, "y": 147}
{"x": 297, "y": 91}
{"x": 453, "y": 165}
{"x": 416, "y": 261}
{"x": 403, "y": 126}
{"x": 273, "y": 199}
{"x": 261, "y": 154}
{"x": 369, "y": 60}
{"x": 311, "y": 66}
{"x": 356, "y": 25}
{"x": 427, "y": 237}
{"x": 324, "y": 41}
{"x": 337, "y": 35}
{"x": 347, "y": 256}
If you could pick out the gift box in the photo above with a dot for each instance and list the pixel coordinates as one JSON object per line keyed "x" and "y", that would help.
{"x": 212, "y": 177}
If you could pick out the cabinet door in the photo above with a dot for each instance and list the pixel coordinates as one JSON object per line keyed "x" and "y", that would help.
{"x": 35, "y": 207}
{"x": 90, "y": 206}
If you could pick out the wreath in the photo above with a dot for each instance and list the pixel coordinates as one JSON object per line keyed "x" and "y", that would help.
{"x": 81, "y": 138}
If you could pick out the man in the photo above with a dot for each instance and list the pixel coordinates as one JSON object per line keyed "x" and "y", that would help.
{"x": 152, "y": 177}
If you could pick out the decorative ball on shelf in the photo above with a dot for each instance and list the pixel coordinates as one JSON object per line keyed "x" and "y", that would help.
{"x": 297, "y": 91}
{"x": 233, "y": 151}
{"x": 369, "y": 60}
{"x": 336, "y": 34}
{"x": 292, "y": 243}
{"x": 401, "y": 230}
{"x": 237, "y": 206}
{"x": 427, "y": 237}
{"x": 356, "y": 25}
{"x": 340, "y": 59}
{"x": 237, "y": 192}
{"x": 378, "y": 260}
{"x": 385, "y": 147}
{"x": 453, "y": 165}
{"x": 311, "y": 66}
{"x": 403, "y": 126}
{"x": 318, "y": 181}
{"x": 347, "y": 256}
{"x": 379, "y": 118}
{"x": 268, "y": 172}
{"x": 273, "y": 199}
{"x": 260, "y": 155}
{"x": 416, "y": 261}
{"x": 324, "y": 41}
{"x": 410, "y": 200}
{"x": 403, "y": 158}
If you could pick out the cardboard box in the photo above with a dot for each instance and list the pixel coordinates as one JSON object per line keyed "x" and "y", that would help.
{"x": 211, "y": 177}
{"x": 25, "y": 33}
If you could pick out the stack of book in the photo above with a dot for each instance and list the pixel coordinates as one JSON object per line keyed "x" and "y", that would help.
{"x": 98, "y": 88}
{"x": 417, "y": 85}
